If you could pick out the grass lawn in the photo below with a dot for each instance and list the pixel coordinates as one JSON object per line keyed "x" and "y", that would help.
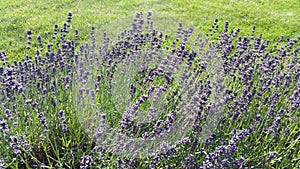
{"x": 272, "y": 18}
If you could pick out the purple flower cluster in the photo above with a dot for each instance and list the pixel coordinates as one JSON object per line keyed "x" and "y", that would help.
{"x": 220, "y": 157}
{"x": 2, "y": 164}
{"x": 259, "y": 97}
{"x": 85, "y": 162}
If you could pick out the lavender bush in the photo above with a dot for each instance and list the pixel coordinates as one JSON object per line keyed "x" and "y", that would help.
{"x": 155, "y": 90}
{"x": 47, "y": 96}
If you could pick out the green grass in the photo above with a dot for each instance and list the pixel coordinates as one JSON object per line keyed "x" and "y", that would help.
{"x": 271, "y": 18}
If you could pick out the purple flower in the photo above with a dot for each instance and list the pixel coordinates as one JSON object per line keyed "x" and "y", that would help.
{"x": 2, "y": 163}
{"x": 85, "y": 161}
{"x": 271, "y": 155}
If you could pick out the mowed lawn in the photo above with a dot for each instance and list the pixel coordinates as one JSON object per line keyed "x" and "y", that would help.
{"x": 272, "y": 18}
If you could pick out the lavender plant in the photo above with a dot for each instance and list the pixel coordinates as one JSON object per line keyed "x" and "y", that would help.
{"x": 255, "y": 89}
{"x": 154, "y": 89}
